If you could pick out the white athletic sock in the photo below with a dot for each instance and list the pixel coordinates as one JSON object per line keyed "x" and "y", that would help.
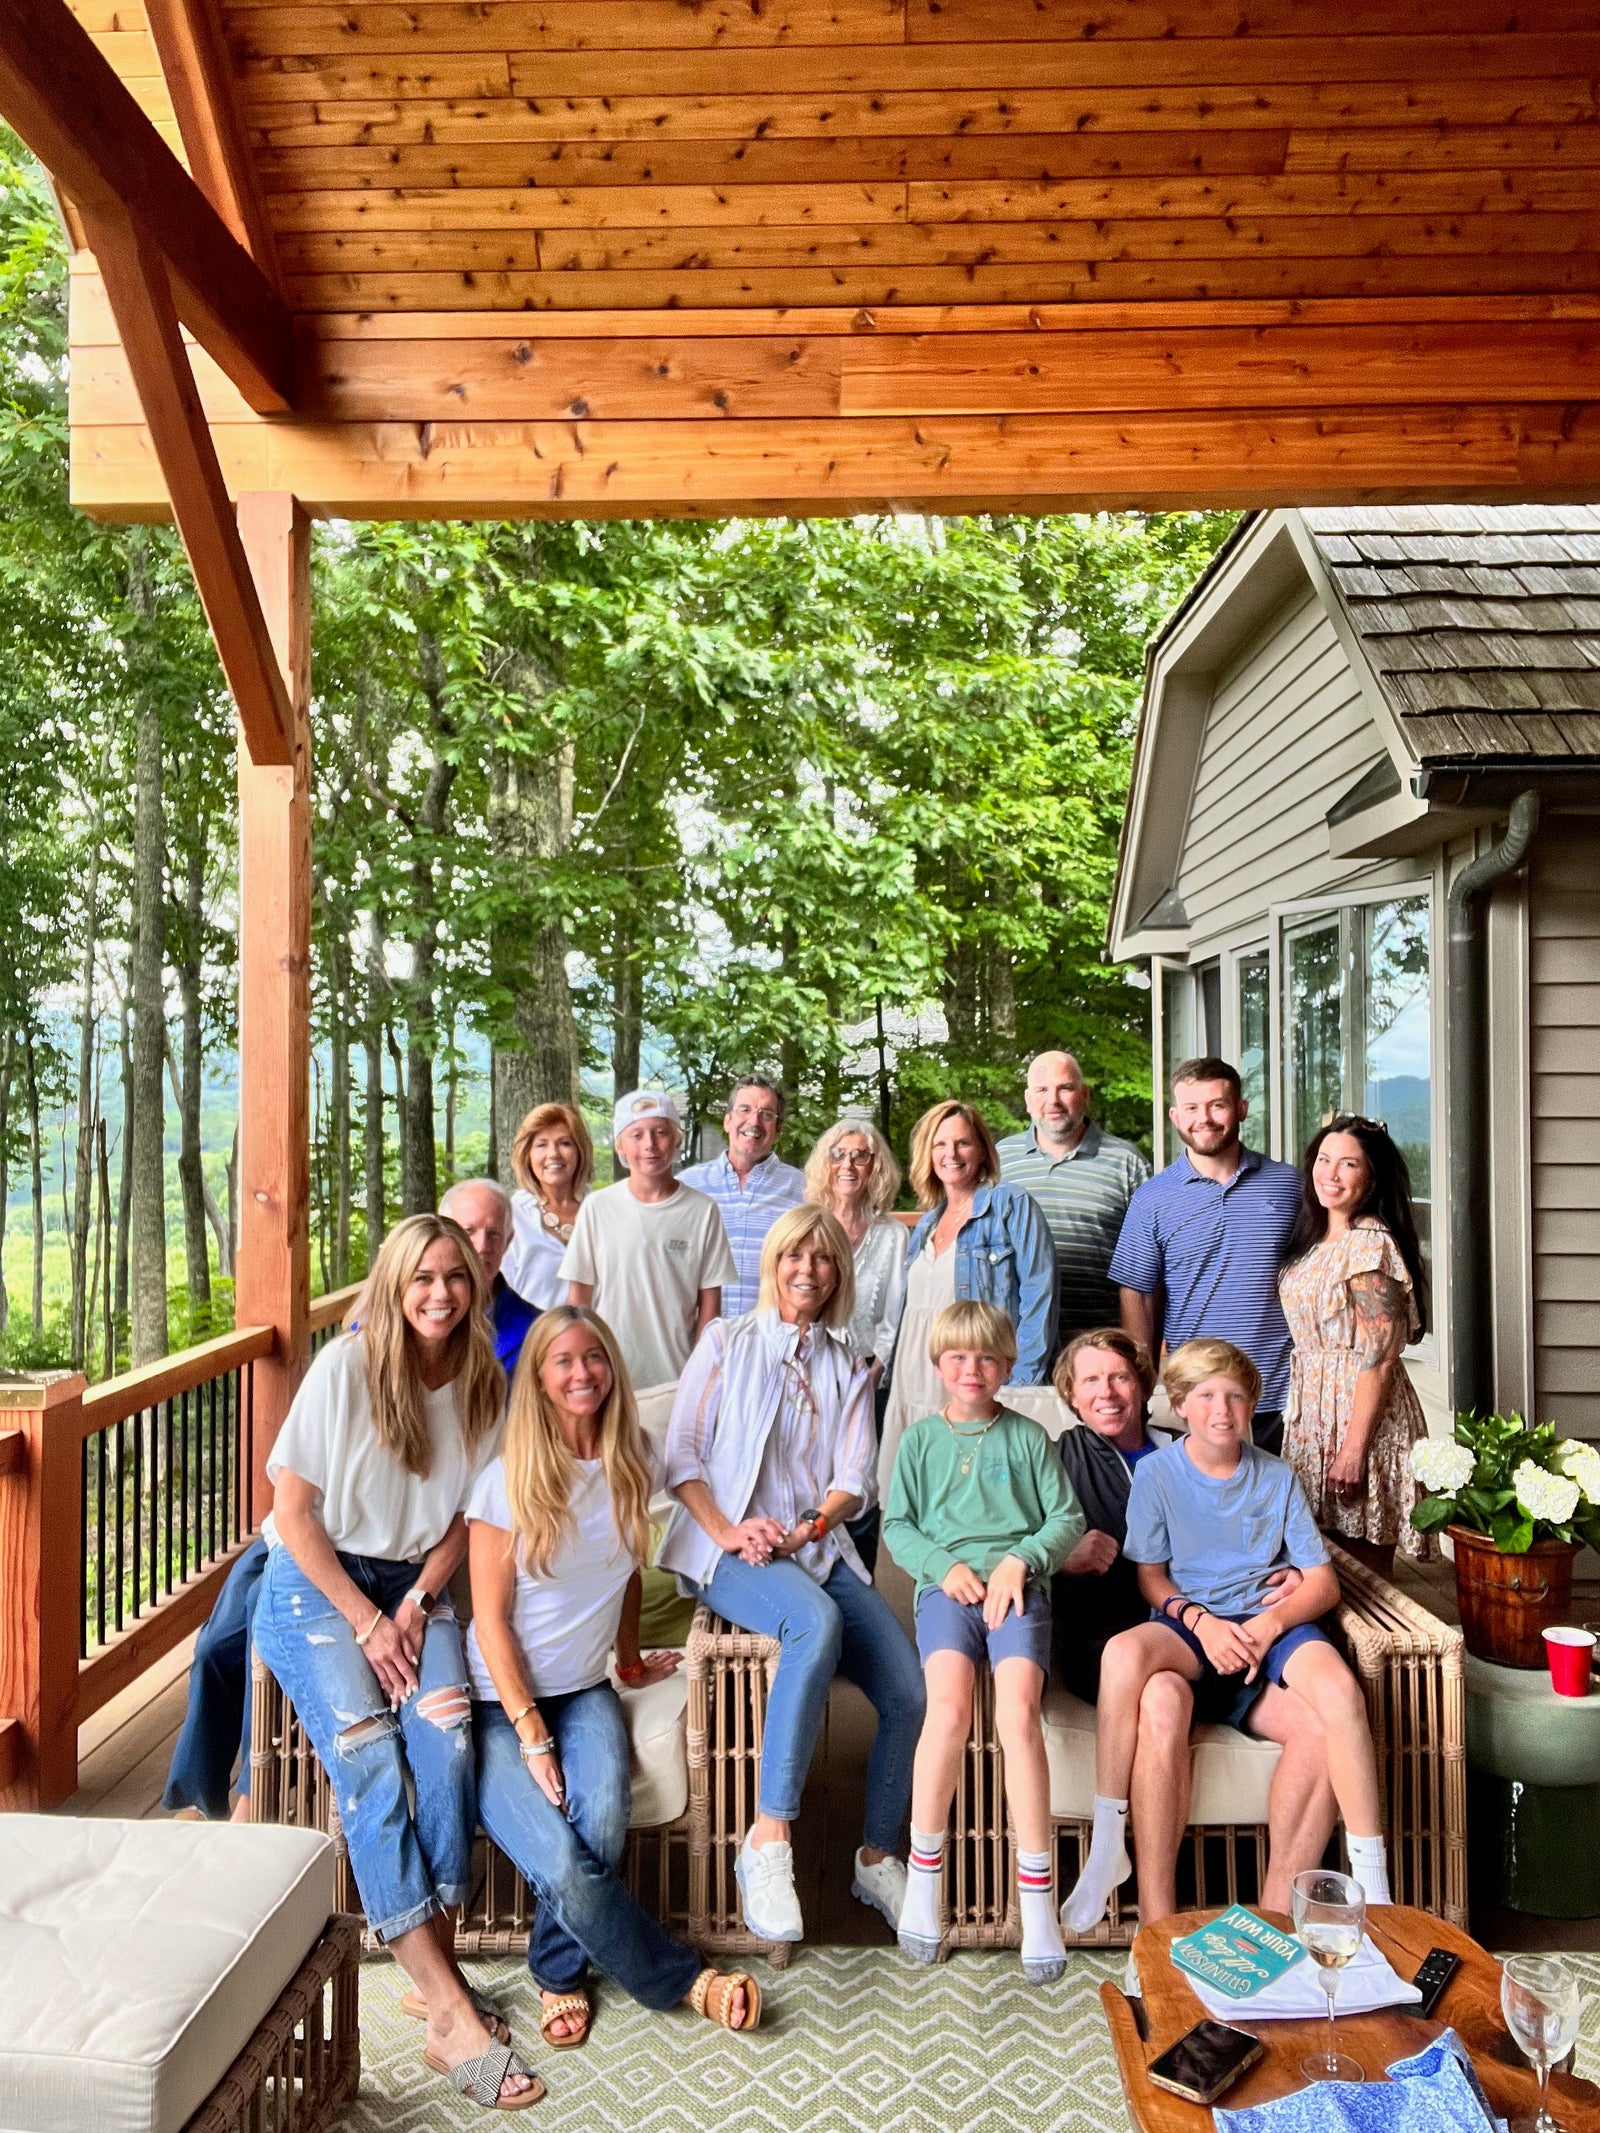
{"x": 1369, "y": 1866}
{"x": 1107, "y": 1867}
{"x": 919, "y": 1916}
{"x": 1041, "y": 1929}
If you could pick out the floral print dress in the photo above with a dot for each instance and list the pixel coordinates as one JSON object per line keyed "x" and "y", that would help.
{"x": 1320, "y": 1304}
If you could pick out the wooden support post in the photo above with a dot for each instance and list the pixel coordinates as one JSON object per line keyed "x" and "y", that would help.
{"x": 273, "y": 1283}
{"x": 41, "y": 1592}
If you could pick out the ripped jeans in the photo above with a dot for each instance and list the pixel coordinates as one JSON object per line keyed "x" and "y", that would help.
{"x": 409, "y": 1862}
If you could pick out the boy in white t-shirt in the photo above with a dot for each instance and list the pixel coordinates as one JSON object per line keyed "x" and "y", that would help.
{"x": 649, "y": 1254}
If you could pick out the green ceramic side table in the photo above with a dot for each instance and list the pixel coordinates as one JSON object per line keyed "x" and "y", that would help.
{"x": 1534, "y": 1763}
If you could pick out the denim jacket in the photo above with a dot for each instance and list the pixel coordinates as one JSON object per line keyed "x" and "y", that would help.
{"x": 1005, "y": 1255}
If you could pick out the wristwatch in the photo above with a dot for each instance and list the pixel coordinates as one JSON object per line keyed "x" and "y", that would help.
{"x": 815, "y": 1520}
{"x": 423, "y": 1600}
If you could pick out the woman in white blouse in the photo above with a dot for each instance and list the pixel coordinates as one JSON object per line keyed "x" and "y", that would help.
{"x": 770, "y": 1450}
{"x": 559, "y": 1525}
{"x": 371, "y": 1473}
{"x": 552, "y": 1162}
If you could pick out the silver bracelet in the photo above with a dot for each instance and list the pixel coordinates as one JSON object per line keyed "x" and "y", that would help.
{"x": 537, "y": 1747}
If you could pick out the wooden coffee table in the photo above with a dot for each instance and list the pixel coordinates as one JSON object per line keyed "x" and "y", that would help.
{"x": 1142, "y": 2030}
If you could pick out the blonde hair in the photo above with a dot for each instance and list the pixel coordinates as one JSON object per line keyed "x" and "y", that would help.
{"x": 544, "y": 1118}
{"x": 787, "y": 1234}
{"x": 883, "y": 1188}
{"x": 929, "y": 1192}
{"x": 982, "y": 1328}
{"x": 1194, "y": 1362}
{"x": 1115, "y": 1342}
{"x": 541, "y": 1471}
{"x": 394, "y": 1383}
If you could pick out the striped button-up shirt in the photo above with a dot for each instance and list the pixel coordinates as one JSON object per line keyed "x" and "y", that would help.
{"x": 1083, "y": 1195}
{"x": 749, "y": 1206}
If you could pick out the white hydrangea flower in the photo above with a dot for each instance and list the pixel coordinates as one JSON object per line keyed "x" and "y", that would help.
{"x": 1581, "y": 1463}
{"x": 1442, "y": 1465}
{"x": 1542, "y": 1495}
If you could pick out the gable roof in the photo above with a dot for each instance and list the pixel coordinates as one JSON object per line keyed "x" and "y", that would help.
{"x": 1480, "y": 623}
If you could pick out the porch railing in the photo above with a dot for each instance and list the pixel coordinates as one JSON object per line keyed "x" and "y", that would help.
{"x": 123, "y": 1507}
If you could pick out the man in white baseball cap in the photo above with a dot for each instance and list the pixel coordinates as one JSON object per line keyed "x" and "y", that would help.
{"x": 649, "y": 1254}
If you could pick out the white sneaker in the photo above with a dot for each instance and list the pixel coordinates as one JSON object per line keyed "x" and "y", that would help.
{"x": 882, "y": 1885}
{"x": 766, "y": 1883}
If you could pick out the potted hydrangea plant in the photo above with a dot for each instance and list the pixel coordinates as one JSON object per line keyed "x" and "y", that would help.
{"x": 1517, "y": 1502}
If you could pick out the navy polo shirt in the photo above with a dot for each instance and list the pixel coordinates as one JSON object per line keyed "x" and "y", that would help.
{"x": 512, "y": 1315}
{"x": 1216, "y": 1250}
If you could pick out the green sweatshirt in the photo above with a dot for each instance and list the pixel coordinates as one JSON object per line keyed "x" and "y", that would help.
{"x": 1013, "y": 1500}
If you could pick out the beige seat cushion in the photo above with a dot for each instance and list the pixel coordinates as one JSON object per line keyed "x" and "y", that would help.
{"x": 658, "y": 1736}
{"x": 138, "y": 1958}
{"x": 1042, "y": 1404}
{"x": 1232, "y": 1771}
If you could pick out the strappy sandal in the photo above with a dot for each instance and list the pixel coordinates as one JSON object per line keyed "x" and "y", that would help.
{"x": 712, "y": 1993}
{"x": 566, "y": 2003}
{"x": 493, "y": 2020}
{"x": 481, "y": 2079}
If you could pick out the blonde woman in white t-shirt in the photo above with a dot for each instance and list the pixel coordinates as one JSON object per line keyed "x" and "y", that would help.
{"x": 559, "y": 1526}
{"x": 371, "y": 1472}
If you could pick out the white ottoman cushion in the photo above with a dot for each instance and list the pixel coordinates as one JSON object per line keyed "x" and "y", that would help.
{"x": 138, "y": 1958}
{"x": 1232, "y": 1771}
{"x": 658, "y": 1739}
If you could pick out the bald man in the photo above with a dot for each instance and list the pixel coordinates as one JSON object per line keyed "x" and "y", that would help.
{"x": 1082, "y": 1179}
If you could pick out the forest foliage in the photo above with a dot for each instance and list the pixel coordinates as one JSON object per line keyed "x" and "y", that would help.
{"x": 836, "y": 799}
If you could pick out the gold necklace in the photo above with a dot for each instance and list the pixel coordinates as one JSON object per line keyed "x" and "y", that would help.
{"x": 966, "y": 1432}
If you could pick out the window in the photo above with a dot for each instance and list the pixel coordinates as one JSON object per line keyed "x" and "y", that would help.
{"x": 1358, "y": 1028}
{"x": 1177, "y": 1037}
{"x": 1210, "y": 978}
{"x": 1253, "y": 974}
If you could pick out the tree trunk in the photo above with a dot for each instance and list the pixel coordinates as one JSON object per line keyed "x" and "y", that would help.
{"x": 125, "y": 1162}
{"x": 402, "y": 1116}
{"x": 7, "y": 1056}
{"x": 187, "y": 1091}
{"x": 1002, "y": 1002}
{"x": 961, "y": 999}
{"x": 233, "y": 1201}
{"x": 339, "y": 1103}
{"x": 83, "y": 1167}
{"x": 452, "y": 1097}
{"x": 627, "y": 1016}
{"x": 148, "y": 1220}
{"x": 36, "y": 1162}
{"x": 108, "y": 1331}
{"x": 419, "y": 1158}
{"x": 372, "y": 1115}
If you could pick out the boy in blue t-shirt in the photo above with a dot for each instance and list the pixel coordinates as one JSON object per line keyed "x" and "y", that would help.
{"x": 1210, "y": 1519}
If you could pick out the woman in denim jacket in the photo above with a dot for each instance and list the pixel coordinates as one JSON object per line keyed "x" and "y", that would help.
{"x": 978, "y": 1241}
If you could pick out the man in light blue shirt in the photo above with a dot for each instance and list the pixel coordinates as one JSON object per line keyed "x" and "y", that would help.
{"x": 750, "y": 1184}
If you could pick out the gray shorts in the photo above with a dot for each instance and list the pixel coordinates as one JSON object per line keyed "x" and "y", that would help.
{"x": 946, "y": 1625}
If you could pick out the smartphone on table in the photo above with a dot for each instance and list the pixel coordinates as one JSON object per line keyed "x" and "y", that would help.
{"x": 1205, "y": 2062}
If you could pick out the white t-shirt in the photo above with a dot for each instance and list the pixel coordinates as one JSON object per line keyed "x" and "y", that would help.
{"x": 566, "y": 1621}
{"x": 532, "y": 1265}
{"x": 369, "y": 1503}
{"x": 648, "y": 1261}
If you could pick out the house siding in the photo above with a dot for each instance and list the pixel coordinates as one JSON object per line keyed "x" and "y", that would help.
{"x": 1564, "y": 1059}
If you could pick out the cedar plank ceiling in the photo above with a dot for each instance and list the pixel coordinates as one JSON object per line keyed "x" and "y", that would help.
{"x": 649, "y": 256}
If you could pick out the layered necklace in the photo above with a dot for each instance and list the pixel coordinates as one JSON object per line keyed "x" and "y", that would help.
{"x": 971, "y": 1433}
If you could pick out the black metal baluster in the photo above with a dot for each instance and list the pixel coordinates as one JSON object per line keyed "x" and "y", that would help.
{"x": 183, "y": 1486}
{"x": 211, "y": 1470}
{"x": 100, "y": 1536}
{"x": 155, "y": 1500}
{"x": 138, "y": 1491}
{"x": 121, "y": 1489}
{"x": 229, "y": 1529}
{"x": 171, "y": 1456}
{"x": 83, "y": 1547}
{"x": 247, "y": 1465}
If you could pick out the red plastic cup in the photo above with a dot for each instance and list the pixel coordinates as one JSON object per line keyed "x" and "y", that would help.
{"x": 1571, "y": 1654}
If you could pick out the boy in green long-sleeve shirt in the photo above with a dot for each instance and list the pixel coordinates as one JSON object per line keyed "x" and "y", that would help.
{"x": 981, "y": 1514}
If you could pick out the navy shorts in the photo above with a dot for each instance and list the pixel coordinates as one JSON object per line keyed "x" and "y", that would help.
{"x": 946, "y": 1625}
{"x": 1228, "y": 1699}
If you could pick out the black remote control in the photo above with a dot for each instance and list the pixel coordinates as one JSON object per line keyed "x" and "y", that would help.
{"x": 1438, "y": 1968}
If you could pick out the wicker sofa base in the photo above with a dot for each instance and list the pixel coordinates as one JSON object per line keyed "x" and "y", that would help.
{"x": 303, "y": 2065}
{"x": 730, "y": 1674}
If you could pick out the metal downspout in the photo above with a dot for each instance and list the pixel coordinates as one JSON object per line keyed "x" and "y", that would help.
{"x": 1469, "y": 1153}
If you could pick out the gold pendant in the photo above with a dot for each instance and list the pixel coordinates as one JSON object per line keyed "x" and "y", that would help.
{"x": 966, "y": 1466}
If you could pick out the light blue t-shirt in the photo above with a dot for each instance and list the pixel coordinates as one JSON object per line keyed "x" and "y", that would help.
{"x": 1221, "y": 1540}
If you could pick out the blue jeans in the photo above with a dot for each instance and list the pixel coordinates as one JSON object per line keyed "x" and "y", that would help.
{"x": 216, "y": 1725}
{"x": 570, "y": 1860}
{"x": 409, "y": 1863}
{"x": 840, "y": 1627}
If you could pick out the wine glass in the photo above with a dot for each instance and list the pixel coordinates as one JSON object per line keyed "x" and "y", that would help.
{"x": 1539, "y": 1998}
{"x": 1330, "y": 1916}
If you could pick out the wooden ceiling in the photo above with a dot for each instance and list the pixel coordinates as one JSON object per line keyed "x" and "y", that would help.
{"x": 627, "y": 256}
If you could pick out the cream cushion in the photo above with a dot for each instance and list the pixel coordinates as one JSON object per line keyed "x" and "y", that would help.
{"x": 1042, "y": 1404}
{"x": 138, "y": 1958}
{"x": 658, "y": 1744}
{"x": 1232, "y": 1771}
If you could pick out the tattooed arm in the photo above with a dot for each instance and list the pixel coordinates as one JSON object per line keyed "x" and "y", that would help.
{"x": 1383, "y": 1322}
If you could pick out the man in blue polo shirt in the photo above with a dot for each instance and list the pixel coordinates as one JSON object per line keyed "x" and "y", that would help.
{"x": 1203, "y": 1241}
{"x": 483, "y": 1208}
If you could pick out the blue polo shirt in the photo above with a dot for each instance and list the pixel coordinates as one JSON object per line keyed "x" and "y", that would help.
{"x": 511, "y": 1315}
{"x": 1215, "y": 1252}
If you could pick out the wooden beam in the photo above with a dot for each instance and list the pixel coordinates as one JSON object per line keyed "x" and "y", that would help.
{"x": 135, "y": 275}
{"x": 85, "y": 126}
{"x": 273, "y": 1282}
{"x": 194, "y": 60}
{"x": 41, "y": 1589}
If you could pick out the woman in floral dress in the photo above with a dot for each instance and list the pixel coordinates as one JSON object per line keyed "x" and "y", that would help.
{"x": 1354, "y": 1291}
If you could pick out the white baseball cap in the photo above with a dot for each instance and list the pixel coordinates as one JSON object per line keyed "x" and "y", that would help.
{"x": 642, "y": 1104}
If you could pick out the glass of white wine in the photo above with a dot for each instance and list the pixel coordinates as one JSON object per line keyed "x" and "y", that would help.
{"x": 1330, "y": 1916}
{"x": 1539, "y": 1998}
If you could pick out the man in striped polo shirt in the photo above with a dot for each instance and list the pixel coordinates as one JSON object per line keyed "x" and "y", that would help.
{"x": 1203, "y": 1244}
{"x": 1082, "y": 1179}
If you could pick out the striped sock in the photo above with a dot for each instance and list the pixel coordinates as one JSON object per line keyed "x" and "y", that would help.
{"x": 1041, "y": 1930}
{"x": 924, "y": 1873}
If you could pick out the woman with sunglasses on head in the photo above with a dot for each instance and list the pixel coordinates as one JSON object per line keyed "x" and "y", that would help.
{"x": 1354, "y": 1290}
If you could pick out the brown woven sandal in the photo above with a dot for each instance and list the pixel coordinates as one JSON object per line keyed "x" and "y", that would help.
{"x": 712, "y": 1994}
{"x": 565, "y": 2003}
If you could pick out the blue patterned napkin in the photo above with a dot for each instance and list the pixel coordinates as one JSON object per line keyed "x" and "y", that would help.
{"x": 1435, "y": 2091}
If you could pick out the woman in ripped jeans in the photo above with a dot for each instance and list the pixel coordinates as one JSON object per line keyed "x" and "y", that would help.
{"x": 371, "y": 1472}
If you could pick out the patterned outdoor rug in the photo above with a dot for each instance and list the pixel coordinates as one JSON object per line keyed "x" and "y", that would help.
{"x": 853, "y": 2041}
